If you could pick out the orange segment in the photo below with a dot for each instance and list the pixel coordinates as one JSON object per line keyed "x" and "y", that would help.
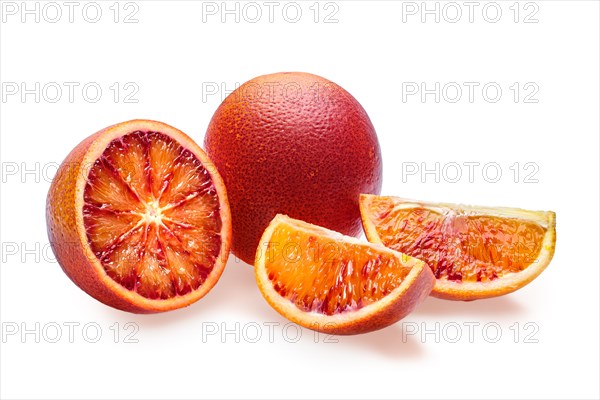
{"x": 333, "y": 283}
{"x": 153, "y": 273}
{"x": 121, "y": 262}
{"x": 474, "y": 252}
{"x": 193, "y": 225}
{"x": 106, "y": 189}
{"x": 105, "y": 226}
{"x": 190, "y": 272}
{"x": 188, "y": 180}
{"x": 162, "y": 157}
{"x": 129, "y": 156}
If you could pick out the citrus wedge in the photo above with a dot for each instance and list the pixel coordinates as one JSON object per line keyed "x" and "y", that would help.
{"x": 474, "y": 252}
{"x": 336, "y": 284}
{"x": 138, "y": 218}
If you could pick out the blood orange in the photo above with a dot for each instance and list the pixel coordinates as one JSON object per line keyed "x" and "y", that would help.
{"x": 138, "y": 218}
{"x": 297, "y": 144}
{"x": 336, "y": 284}
{"x": 474, "y": 252}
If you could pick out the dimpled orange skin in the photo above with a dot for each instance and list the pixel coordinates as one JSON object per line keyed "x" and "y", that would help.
{"x": 67, "y": 234}
{"x": 297, "y": 144}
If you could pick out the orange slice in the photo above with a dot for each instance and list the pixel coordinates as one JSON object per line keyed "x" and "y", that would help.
{"x": 138, "y": 218}
{"x": 333, "y": 283}
{"x": 474, "y": 252}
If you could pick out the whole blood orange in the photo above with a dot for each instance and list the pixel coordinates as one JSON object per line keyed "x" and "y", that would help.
{"x": 474, "y": 252}
{"x": 336, "y": 284}
{"x": 297, "y": 144}
{"x": 138, "y": 218}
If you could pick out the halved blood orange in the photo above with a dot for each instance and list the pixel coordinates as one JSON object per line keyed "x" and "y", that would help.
{"x": 474, "y": 252}
{"x": 138, "y": 217}
{"x": 333, "y": 283}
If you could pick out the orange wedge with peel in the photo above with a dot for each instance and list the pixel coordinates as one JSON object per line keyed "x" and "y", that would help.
{"x": 336, "y": 284}
{"x": 474, "y": 252}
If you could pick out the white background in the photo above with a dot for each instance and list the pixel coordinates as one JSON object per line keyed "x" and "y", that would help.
{"x": 172, "y": 56}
